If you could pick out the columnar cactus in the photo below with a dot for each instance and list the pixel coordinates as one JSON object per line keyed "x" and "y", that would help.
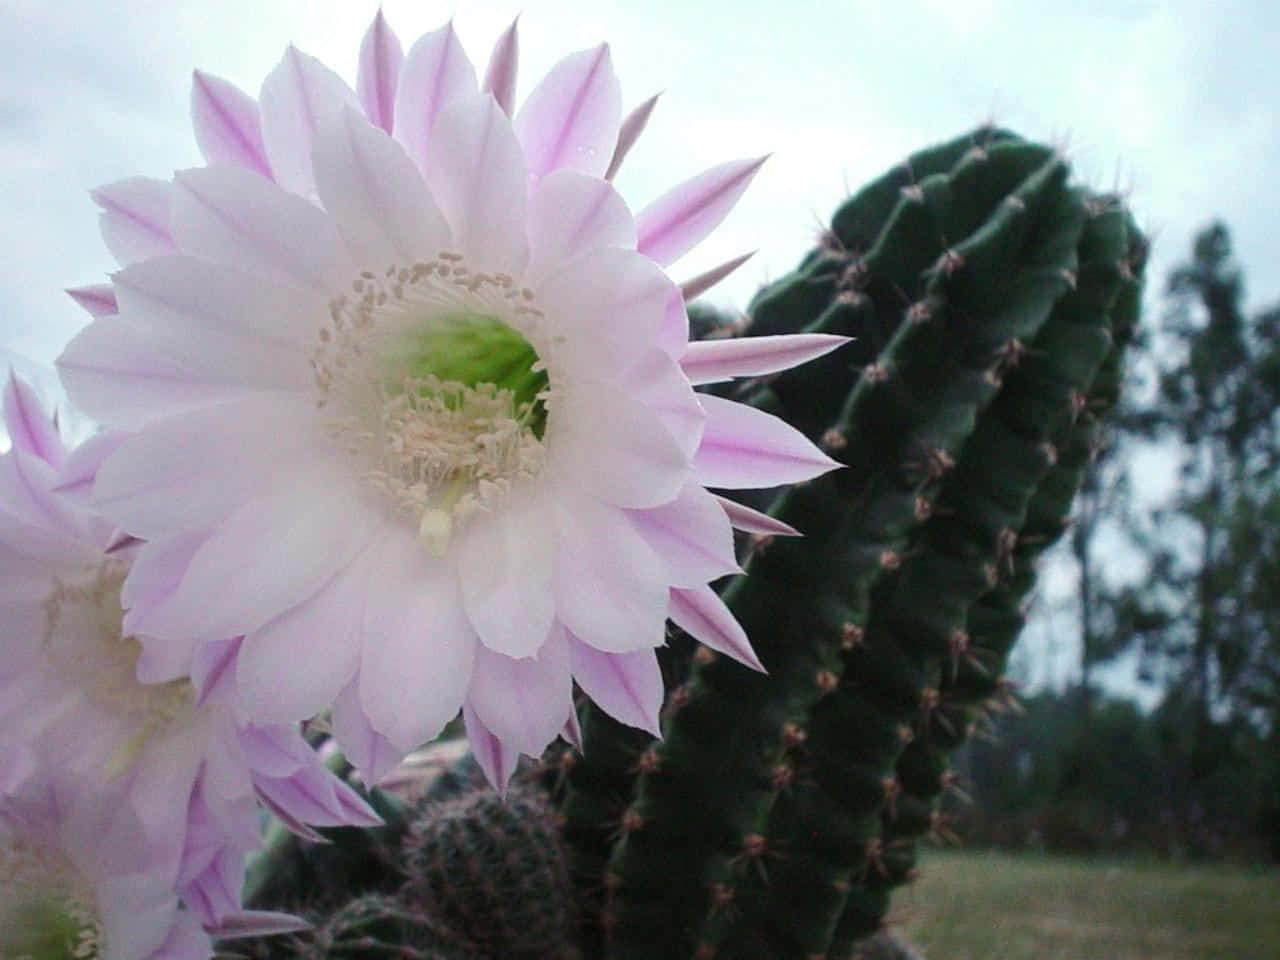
{"x": 991, "y": 301}
{"x": 778, "y": 810}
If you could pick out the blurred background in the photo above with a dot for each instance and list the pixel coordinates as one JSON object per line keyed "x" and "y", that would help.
{"x": 1150, "y": 673}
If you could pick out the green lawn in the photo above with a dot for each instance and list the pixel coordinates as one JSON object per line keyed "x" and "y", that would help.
{"x": 991, "y": 906}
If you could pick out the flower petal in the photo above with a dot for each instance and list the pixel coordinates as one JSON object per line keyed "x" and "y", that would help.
{"x": 571, "y": 214}
{"x": 497, "y": 760}
{"x": 609, "y": 304}
{"x": 273, "y": 553}
{"x": 614, "y": 448}
{"x": 611, "y": 588}
{"x": 753, "y": 521}
{"x": 75, "y": 479}
{"x": 657, "y": 381}
{"x": 135, "y": 218}
{"x": 436, "y": 71}
{"x": 523, "y": 702}
{"x": 376, "y": 195}
{"x": 31, "y": 430}
{"x": 227, "y": 124}
{"x": 476, "y": 174}
{"x": 369, "y": 751}
{"x": 680, "y": 219}
{"x": 629, "y": 133}
{"x": 692, "y": 536}
{"x": 695, "y": 287}
{"x": 299, "y": 97}
{"x": 506, "y": 564}
{"x": 98, "y": 299}
{"x": 500, "y": 76}
{"x": 232, "y": 216}
{"x": 288, "y": 646}
{"x": 189, "y": 472}
{"x": 709, "y": 361}
{"x": 418, "y": 646}
{"x": 627, "y": 686}
{"x": 702, "y": 614}
{"x": 570, "y": 120}
{"x": 745, "y": 447}
{"x": 379, "y": 73}
{"x": 156, "y": 572}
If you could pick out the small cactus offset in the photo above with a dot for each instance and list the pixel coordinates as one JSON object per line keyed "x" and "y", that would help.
{"x": 990, "y": 301}
{"x": 493, "y": 872}
{"x": 376, "y": 925}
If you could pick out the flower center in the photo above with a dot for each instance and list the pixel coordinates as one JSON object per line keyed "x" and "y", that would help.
{"x": 42, "y": 915}
{"x": 436, "y": 389}
{"x": 85, "y": 643}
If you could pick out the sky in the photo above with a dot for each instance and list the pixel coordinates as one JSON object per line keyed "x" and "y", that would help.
{"x": 1172, "y": 102}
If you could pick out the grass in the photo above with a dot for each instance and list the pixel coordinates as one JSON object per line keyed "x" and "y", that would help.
{"x": 994, "y": 906}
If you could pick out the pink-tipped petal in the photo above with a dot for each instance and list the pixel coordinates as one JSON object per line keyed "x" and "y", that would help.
{"x": 299, "y": 98}
{"x": 163, "y": 481}
{"x": 614, "y": 600}
{"x": 609, "y": 303}
{"x": 281, "y": 648}
{"x": 436, "y": 71}
{"x": 232, "y": 216}
{"x": 571, "y": 214}
{"x": 753, "y": 521}
{"x": 709, "y": 361}
{"x": 372, "y": 754}
{"x": 506, "y": 562}
{"x": 156, "y": 572}
{"x": 702, "y": 614}
{"x": 627, "y": 686}
{"x": 692, "y": 535}
{"x": 658, "y": 382}
{"x": 522, "y": 702}
{"x": 419, "y": 649}
{"x": 629, "y": 133}
{"x": 616, "y": 449}
{"x": 678, "y": 221}
{"x": 98, "y": 300}
{"x": 696, "y": 286}
{"x": 81, "y": 466}
{"x": 476, "y": 174}
{"x": 270, "y": 554}
{"x": 30, "y": 429}
{"x": 572, "y": 731}
{"x": 257, "y": 923}
{"x": 497, "y": 760}
{"x": 504, "y": 63}
{"x": 570, "y": 120}
{"x": 375, "y": 193}
{"x": 227, "y": 124}
{"x": 743, "y": 447}
{"x": 379, "y": 73}
{"x": 135, "y": 219}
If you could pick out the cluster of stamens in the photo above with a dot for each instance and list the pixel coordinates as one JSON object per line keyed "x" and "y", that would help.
{"x": 84, "y": 641}
{"x": 436, "y": 450}
{"x": 40, "y": 903}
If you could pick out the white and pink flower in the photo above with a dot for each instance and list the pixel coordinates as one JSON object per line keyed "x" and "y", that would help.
{"x": 112, "y": 711}
{"x": 411, "y": 401}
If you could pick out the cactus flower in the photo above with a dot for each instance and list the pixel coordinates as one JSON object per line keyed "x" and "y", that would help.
{"x": 411, "y": 401}
{"x": 82, "y": 689}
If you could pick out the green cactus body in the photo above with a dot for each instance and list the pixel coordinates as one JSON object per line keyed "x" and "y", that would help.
{"x": 376, "y": 925}
{"x": 932, "y": 281}
{"x": 492, "y": 873}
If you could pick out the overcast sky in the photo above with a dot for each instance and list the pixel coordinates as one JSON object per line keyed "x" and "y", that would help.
{"x": 1172, "y": 101}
